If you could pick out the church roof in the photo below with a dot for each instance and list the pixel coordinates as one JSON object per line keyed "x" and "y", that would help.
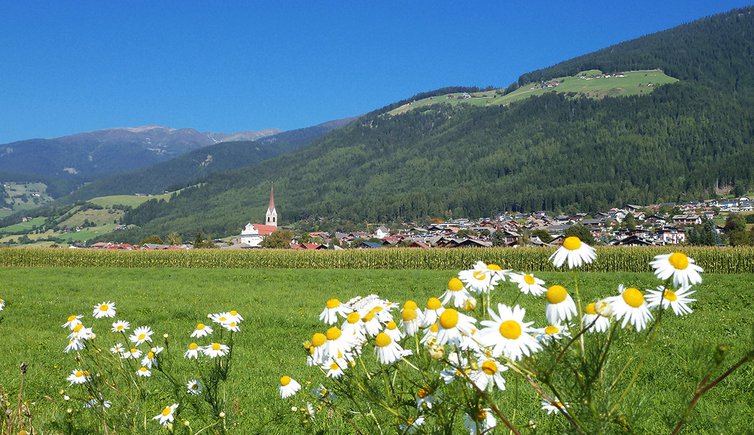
{"x": 272, "y": 199}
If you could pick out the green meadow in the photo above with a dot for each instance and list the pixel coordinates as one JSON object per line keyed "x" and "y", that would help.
{"x": 281, "y": 309}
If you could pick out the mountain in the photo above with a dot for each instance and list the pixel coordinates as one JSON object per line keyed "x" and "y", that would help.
{"x": 556, "y": 150}
{"x": 183, "y": 170}
{"x": 86, "y": 156}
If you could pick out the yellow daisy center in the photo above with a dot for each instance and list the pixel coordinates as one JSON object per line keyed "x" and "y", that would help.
{"x": 368, "y": 317}
{"x": 353, "y": 317}
{"x": 200, "y": 326}
{"x": 391, "y": 325}
{"x": 150, "y": 355}
{"x": 142, "y": 369}
{"x": 572, "y": 243}
{"x": 633, "y": 297}
{"x": 119, "y": 327}
{"x": 481, "y": 415}
{"x": 333, "y": 333}
{"x": 285, "y": 380}
{"x": 71, "y": 318}
{"x": 104, "y": 307}
{"x": 489, "y": 367}
{"x": 455, "y": 284}
{"x": 551, "y": 330}
{"x": 433, "y": 303}
{"x": 382, "y": 339}
{"x": 529, "y": 279}
{"x": 334, "y": 366}
{"x": 318, "y": 339}
{"x": 215, "y": 346}
{"x": 670, "y": 295}
{"x": 678, "y": 260}
{"x": 78, "y": 327}
{"x": 222, "y": 319}
{"x": 79, "y": 373}
{"x": 435, "y": 327}
{"x": 166, "y": 411}
{"x": 556, "y": 294}
{"x": 423, "y": 392}
{"x": 510, "y": 329}
{"x": 493, "y": 266}
{"x": 332, "y": 303}
{"x": 133, "y": 350}
{"x": 410, "y": 304}
{"x": 479, "y": 275}
{"x": 193, "y": 346}
{"x": 142, "y": 336}
{"x": 233, "y": 312}
{"x": 590, "y": 309}
{"x": 408, "y": 314}
{"x": 449, "y": 318}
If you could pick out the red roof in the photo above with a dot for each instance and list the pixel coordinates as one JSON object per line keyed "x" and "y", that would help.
{"x": 265, "y": 230}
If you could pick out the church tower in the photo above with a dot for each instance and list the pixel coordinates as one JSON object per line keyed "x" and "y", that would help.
{"x": 271, "y": 217}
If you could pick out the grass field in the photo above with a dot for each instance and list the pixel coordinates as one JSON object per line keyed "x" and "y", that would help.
{"x": 128, "y": 200}
{"x": 632, "y": 83}
{"x": 281, "y": 308}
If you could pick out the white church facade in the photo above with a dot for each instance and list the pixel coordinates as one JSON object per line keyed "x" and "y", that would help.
{"x": 253, "y": 234}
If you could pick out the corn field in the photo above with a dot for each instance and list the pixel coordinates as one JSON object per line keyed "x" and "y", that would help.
{"x": 609, "y": 259}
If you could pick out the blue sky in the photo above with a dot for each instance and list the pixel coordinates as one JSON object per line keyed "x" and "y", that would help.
{"x": 224, "y": 66}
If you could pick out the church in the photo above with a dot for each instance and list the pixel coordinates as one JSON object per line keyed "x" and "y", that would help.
{"x": 253, "y": 234}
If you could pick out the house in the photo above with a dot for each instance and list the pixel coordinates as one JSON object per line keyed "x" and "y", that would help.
{"x": 671, "y": 236}
{"x": 687, "y": 219}
{"x": 381, "y": 232}
{"x": 253, "y": 234}
{"x": 368, "y": 245}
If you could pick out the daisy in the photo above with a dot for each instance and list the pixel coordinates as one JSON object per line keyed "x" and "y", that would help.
{"x": 410, "y": 321}
{"x": 560, "y": 305}
{"x": 74, "y": 345}
{"x": 132, "y": 353}
{"x": 479, "y": 279}
{"x": 425, "y": 399}
{"x": 498, "y": 274}
{"x": 480, "y": 422}
{"x": 594, "y": 321}
{"x": 432, "y": 312}
{"x": 117, "y": 349}
{"x": 575, "y": 251}
{"x": 80, "y": 332}
{"x": 192, "y": 352}
{"x": 430, "y": 335}
{"x": 677, "y": 300}
{"x": 334, "y": 370}
{"x": 231, "y": 326}
{"x": 2, "y": 304}
{"x": 682, "y": 268}
{"x": 528, "y": 284}
{"x": 120, "y": 326}
{"x": 105, "y": 309}
{"x": 552, "y": 333}
{"x": 370, "y": 323}
{"x": 453, "y": 325}
{"x": 354, "y": 328}
{"x": 553, "y": 407}
{"x": 508, "y": 334}
{"x": 458, "y": 366}
{"x": 72, "y": 321}
{"x": 78, "y": 376}
{"x": 167, "y": 414}
{"x": 193, "y": 387}
{"x": 411, "y": 304}
{"x": 141, "y": 334}
{"x": 412, "y": 425}
{"x": 455, "y": 293}
{"x": 488, "y": 374}
{"x": 219, "y": 318}
{"x": 201, "y": 330}
{"x": 215, "y": 350}
{"x": 288, "y": 386}
{"x": 144, "y": 372}
{"x": 333, "y": 308}
{"x": 149, "y": 360}
{"x": 387, "y": 350}
{"x": 392, "y": 330}
{"x": 318, "y": 349}
{"x": 337, "y": 343}
{"x": 630, "y": 307}
{"x": 233, "y": 316}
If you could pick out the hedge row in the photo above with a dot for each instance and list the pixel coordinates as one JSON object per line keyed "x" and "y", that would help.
{"x": 609, "y": 259}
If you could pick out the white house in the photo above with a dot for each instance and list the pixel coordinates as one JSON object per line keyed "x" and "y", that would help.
{"x": 253, "y": 234}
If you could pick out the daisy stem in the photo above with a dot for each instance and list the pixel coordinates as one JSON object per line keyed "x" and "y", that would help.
{"x": 580, "y": 314}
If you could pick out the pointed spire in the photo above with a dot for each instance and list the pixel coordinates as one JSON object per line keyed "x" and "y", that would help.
{"x": 272, "y": 199}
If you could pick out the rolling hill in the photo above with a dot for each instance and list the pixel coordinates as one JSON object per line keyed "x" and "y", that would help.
{"x": 557, "y": 150}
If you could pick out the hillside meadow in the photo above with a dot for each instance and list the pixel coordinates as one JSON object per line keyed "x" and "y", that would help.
{"x": 281, "y": 307}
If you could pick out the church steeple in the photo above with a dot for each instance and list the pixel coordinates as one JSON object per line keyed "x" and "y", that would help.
{"x": 271, "y": 217}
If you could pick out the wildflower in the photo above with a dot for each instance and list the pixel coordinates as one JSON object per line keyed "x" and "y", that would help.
{"x": 288, "y": 386}
{"x": 410, "y": 321}
{"x": 167, "y": 414}
{"x": 553, "y": 407}
{"x": 74, "y": 345}
{"x": 425, "y": 399}
{"x": 141, "y": 334}
{"x": 430, "y": 335}
{"x": 470, "y": 304}
{"x": 677, "y": 265}
{"x": 120, "y": 326}
{"x": 215, "y": 350}
{"x": 334, "y": 370}
{"x": 528, "y": 284}
{"x": 392, "y": 330}
{"x": 480, "y": 421}
{"x": 552, "y": 333}
{"x": 452, "y": 325}
{"x": 192, "y": 352}
{"x": 354, "y": 328}
{"x": 2, "y": 304}
{"x": 117, "y": 349}
{"x": 677, "y": 300}
{"x": 333, "y": 308}
{"x": 149, "y": 359}
{"x": 219, "y": 318}
{"x": 479, "y": 279}
{"x": 337, "y": 343}
{"x": 594, "y": 321}
{"x": 412, "y": 425}
{"x": 630, "y": 307}
{"x": 455, "y": 293}
{"x": 560, "y": 305}
{"x": 231, "y": 326}
{"x": 132, "y": 353}
{"x": 201, "y": 330}
{"x": 105, "y": 309}
{"x": 80, "y": 332}
{"x": 508, "y": 334}
{"x": 193, "y": 387}
{"x": 318, "y": 349}
{"x": 458, "y": 366}
{"x": 432, "y": 312}
{"x": 370, "y": 323}
{"x": 78, "y": 376}
{"x": 488, "y": 374}
{"x": 233, "y": 316}
{"x": 72, "y": 321}
{"x": 575, "y": 251}
{"x": 387, "y": 350}
{"x": 144, "y": 372}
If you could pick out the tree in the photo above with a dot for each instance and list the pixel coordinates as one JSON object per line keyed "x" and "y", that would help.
{"x": 630, "y": 222}
{"x": 704, "y": 234}
{"x": 174, "y": 239}
{"x": 154, "y": 239}
{"x": 280, "y": 239}
{"x": 581, "y": 232}
{"x": 202, "y": 241}
{"x": 735, "y": 229}
{"x": 543, "y": 235}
